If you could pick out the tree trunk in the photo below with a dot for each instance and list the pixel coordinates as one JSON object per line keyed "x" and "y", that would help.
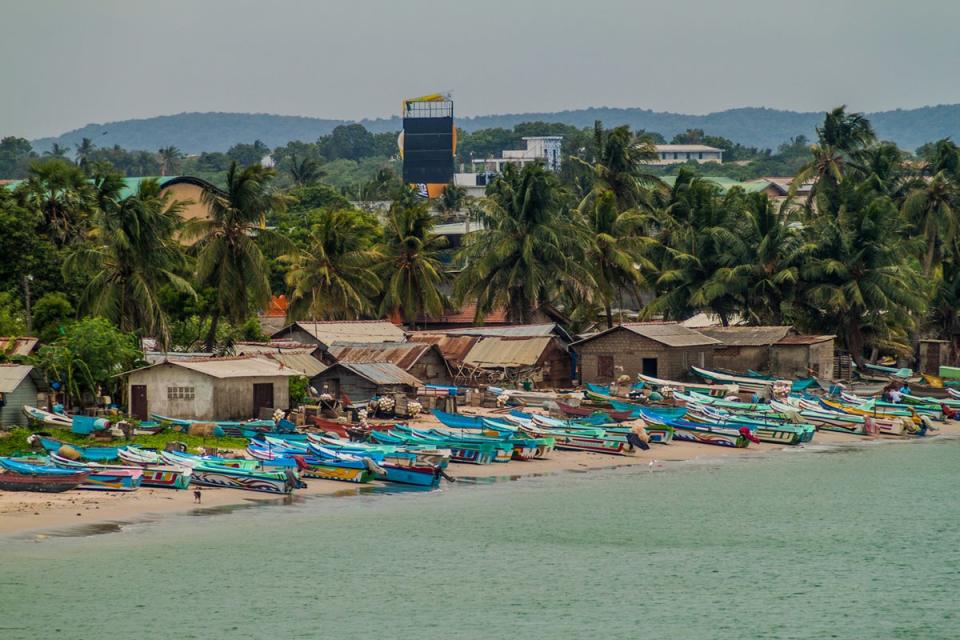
{"x": 211, "y": 340}
{"x": 609, "y": 311}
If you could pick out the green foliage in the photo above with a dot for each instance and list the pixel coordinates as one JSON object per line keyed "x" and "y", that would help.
{"x": 15, "y": 441}
{"x": 12, "y": 320}
{"x": 88, "y": 355}
{"x": 15, "y": 156}
{"x": 248, "y": 154}
{"x": 51, "y": 314}
{"x": 411, "y": 269}
{"x": 298, "y": 389}
{"x": 347, "y": 142}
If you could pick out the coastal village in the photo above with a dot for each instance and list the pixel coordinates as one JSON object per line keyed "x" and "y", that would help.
{"x": 393, "y": 363}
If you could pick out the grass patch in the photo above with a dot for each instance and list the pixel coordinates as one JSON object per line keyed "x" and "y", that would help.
{"x": 15, "y": 441}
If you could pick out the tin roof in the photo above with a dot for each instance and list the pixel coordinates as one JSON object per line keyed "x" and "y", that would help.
{"x": 235, "y": 367}
{"x": 800, "y": 340}
{"x": 379, "y": 373}
{"x": 402, "y": 354}
{"x": 301, "y": 362}
{"x": 21, "y": 346}
{"x": 273, "y": 346}
{"x": 747, "y": 336}
{"x": 507, "y": 352}
{"x": 453, "y": 347}
{"x": 11, "y": 375}
{"x": 669, "y": 334}
{"x": 514, "y": 331}
{"x": 329, "y": 332}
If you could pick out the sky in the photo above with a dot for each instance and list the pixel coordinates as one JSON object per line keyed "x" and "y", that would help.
{"x": 68, "y": 63}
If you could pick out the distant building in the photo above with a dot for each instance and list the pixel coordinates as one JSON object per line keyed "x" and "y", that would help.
{"x": 324, "y": 333}
{"x": 209, "y": 389}
{"x": 421, "y": 360}
{"x": 677, "y": 153}
{"x": 360, "y": 381}
{"x": 545, "y": 149}
{"x": 19, "y": 386}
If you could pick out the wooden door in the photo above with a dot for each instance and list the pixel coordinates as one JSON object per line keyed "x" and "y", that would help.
{"x": 605, "y": 367}
{"x": 262, "y": 397}
{"x": 138, "y": 401}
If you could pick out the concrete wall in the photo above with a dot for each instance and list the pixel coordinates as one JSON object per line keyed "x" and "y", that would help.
{"x": 796, "y": 360}
{"x": 11, "y": 414}
{"x": 740, "y": 359}
{"x": 214, "y": 398}
{"x": 628, "y": 351}
{"x": 556, "y": 367}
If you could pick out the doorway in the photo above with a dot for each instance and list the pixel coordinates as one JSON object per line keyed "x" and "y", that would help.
{"x": 138, "y": 402}
{"x": 262, "y": 397}
{"x": 650, "y": 367}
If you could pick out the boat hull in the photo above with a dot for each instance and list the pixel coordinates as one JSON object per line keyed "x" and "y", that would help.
{"x": 166, "y": 478}
{"x": 10, "y": 481}
{"x": 213, "y": 478}
{"x": 340, "y": 474}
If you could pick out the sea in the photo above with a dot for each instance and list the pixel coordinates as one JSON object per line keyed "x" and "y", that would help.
{"x": 855, "y": 542}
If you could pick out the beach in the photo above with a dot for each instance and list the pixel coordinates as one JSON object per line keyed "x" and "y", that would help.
{"x": 22, "y": 512}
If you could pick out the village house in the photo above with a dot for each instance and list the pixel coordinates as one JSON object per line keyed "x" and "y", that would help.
{"x": 360, "y": 381}
{"x": 658, "y": 349}
{"x": 798, "y": 356}
{"x": 238, "y": 388}
{"x": 676, "y": 153}
{"x": 19, "y": 386}
{"x": 744, "y": 348}
{"x": 541, "y": 360}
{"x": 323, "y": 334}
{"x": 302, "y": 358}
{"x": 423, "y": 361}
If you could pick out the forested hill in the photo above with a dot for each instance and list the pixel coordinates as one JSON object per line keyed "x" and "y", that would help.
{"x": 755, "y": 127}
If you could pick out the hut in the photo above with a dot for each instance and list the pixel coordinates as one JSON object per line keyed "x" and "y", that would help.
{"x": 801, "y": 356}
{"x": 360, "y": 381}
{"x": 19, "y": 386}
{"x": 933, "y": 355}
{"x": 543, "y": 360}
{"x": 324, "y": 334}
{"x": 210, "y": 389}
{"x": 659, "y": 349}
{"x": 744, "y": 348}
{"x": 424, "y": 361}
{"x": 302, "y": 358}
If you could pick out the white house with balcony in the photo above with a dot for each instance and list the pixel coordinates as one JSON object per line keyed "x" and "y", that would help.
{"x": 545, "y": 149}
{"x": 676, "y": 153}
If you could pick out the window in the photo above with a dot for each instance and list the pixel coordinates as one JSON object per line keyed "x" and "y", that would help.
{"x": 605, "y": 366}
{"x": 701, "y": 155}
{"x": 180, "y": 393}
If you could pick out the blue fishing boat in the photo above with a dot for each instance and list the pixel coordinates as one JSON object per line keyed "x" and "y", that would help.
{"x": 92, "y": 454}
{"x": 23, "y": 476}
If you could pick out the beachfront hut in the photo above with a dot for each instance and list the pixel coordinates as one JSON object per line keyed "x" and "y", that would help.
{"x": 543, "y": 360}
{"x": 360, "y": 381}
{"x": 423, "y": 361}
{"x": 237, "y": 388}
{"x": 19, "y": 385}
{"x": 801, "y": 356}
{"x": 324, "y": 334}
{"x": 659, "y": 349}
{"x": 744, "y": 348}
{"x": 303, "y": 358}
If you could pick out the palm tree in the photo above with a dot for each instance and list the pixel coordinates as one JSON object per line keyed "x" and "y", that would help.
{"x": 56, "y": 151}
{"x": 932, "y": 209}
{"x": 525, "y": 250}
{"x": 170, "y": 158}
{"x": 229, "y": 257}
{"x": 304, "y": 171}
{"x": 84, "y": 150}
{"x": 619, "y": 165}
{"x": 411, "y": 270}
{"x": 615, "y": 253}
{"x": 334, "y": 276}
{"x": 63, "y": 196}
{"x": 452, "y": 199}
{"x": 132, "y": 254}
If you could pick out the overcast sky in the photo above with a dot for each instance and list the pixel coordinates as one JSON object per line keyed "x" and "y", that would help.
{"x": 71, "y": 62}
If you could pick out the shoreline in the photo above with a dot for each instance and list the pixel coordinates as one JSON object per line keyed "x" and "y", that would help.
{"x": 52, "y": 514}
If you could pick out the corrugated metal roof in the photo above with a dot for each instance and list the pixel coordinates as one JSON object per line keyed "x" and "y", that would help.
{"x": 17, "y": 346}
{"x": 402, "y": 354}
{"x": 379, "y": 373}
{"x": 515, "y": 331}
{"x": 235, "y": 367}
{"x": 354, "y": 331}
{"x": 273, "y": 346}
{"x": 453, "y": 348}
{"x": 504, "y": 352}
{"x": 747, "y": 336}
{"x": 670, "y": 334}
{"x": 466, "y": 315}
{"x": 804, "y": 339}
{"x": 11, "y": 375}
{"x": 301, "y": 362}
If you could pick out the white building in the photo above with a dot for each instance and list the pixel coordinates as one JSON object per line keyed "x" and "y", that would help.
{"x": 545, "y": 149}
{"x": 676, "y": 153}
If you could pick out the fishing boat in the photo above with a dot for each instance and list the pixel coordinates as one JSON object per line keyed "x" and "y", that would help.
{"x": 797, "y": 386}
{"x": 745, "y": 383}
{"x": 712, "y": 389}
{"x": 102, "y": 477}
{"x": 404, "y": 467}
{"x": 22, "y": 476}
{"x": 584, "y": 412}
{"x": 537, "y": 398}
{"x": 317, "y": 462}
{"x": 213, "y": 475}
{"x": 462, "y": 452}
{"x": 895, "y": 372}
{"x": 709, "y": 434}
{"x": 47, "y": 417}
{"x": 155, "y": 473}
{"x": 67, "y": 450}
{"x": 766, "y": 430}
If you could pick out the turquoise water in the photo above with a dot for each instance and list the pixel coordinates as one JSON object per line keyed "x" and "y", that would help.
{"x": 849, "y": 543}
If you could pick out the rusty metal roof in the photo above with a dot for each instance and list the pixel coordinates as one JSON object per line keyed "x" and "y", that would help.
{"x": 329, "y": 332}
{"x": 514, "y": 331}
{"x": 379, "y": 373}
{"x": 21, "y": 346}
{"x": 507, "y": 352}
{"x": 801, "y": 340}
{"x": 402, "y": 354}
{"x": 301, "y": 362}
{"x": 453, "y": 348}
{"x": 747, "y": 336}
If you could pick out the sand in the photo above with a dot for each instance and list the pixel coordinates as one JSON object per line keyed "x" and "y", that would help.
{"x": 22, "y": 512}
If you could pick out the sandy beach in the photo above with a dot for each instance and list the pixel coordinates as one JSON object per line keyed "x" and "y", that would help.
{"x": 22, "y": 512}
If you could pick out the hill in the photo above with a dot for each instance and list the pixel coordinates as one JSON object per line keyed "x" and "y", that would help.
{"x": 751, "y": 126}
